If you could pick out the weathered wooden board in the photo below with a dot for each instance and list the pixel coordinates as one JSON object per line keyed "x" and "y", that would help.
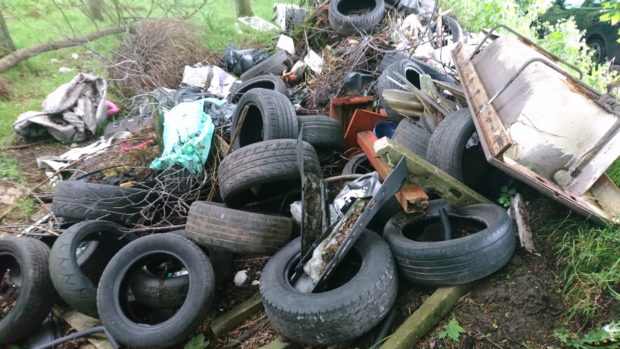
{"x": 236, "y": 316}
{"x": 426, "y": 175}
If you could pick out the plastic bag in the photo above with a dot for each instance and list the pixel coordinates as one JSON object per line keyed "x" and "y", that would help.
{"x": 237, "y": 61}
{"x": 187, "y": 136}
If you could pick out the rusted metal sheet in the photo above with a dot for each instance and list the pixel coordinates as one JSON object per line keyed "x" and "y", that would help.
{"x": 539, "y": 124}
{"x": 411, "y": 197}
{"x": 362, "y": 120}
{"x": 342, "y": 109}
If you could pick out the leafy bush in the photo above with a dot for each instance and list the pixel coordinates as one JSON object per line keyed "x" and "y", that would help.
{"x": 562, "y": 39}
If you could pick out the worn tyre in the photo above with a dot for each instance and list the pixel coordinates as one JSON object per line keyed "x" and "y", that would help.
{"x": 323, "y": 133}
{"x": 346, "y": 310}
{"x": 357, "y": 164}
{"x": 270, "y": 116}
{"x": 114, "y": 305}
{"x": 221, "y": 260}
{"x": 433, "y": 72}
{"x": 412, "y": 136}
{"x": 24, "y": 266}
{"x": 75, "y": 285}
{"x": 80, "y": 201}
{"x": 217, "y": 226}
{"x": 406, "y": 68}
{"x": 452, "y": 28}
{"x": 276, "y": 64}
{"x": 263, "y": 170}
{"x": 391, "y": 58}
{"x": 156, "y": 290}
{"x": 268, "y": 82}
{"x": 425, "y": 259}
{"x": 352, "y": 24}
{"x": 451, "y": 148}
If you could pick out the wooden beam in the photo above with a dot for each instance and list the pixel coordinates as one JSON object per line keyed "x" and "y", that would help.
{"x": 425, "y": 318}
{"x": 236, "y": 316}
{"x": 411, "y": 196}
{"x": 278, "y": 343}
{"x": 426, "y": 175}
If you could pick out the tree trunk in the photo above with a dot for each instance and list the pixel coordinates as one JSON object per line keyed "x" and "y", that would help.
{"x": 244, "y": 8}
{"x": 95, "y": 9}
{"x": 22, "y": 54}
{"x": 6, "y": 42}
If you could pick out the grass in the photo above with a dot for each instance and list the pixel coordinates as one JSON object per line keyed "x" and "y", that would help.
{"x": 33, "y": 80}
{"x": 589, "y": 258}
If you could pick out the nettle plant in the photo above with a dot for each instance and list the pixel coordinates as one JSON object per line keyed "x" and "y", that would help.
{"x": 563, "y": 39}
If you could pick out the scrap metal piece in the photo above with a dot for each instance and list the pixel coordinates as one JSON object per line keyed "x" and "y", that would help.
{"x": 313, "y": 201}
{"x": 364, "y": 213}
{"x": 529, "y": 115}
{"x": 411, "y": 196}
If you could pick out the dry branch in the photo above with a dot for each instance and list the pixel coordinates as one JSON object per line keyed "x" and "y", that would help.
{"x": 12, "y": 59}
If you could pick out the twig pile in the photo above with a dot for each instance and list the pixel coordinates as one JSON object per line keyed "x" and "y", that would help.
{"x": 154, "y": 55}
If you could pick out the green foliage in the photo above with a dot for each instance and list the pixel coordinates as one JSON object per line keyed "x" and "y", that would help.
{"x": 9, "y": 169}
{"x": 614, "y": 172}
{"x": 562, "y": 38}
{"x": 588, "y": 258}
{"x": 28, "y": 207}
{"x": 197, "y": 342}
{"x": 452, "y": 331}
{"x": 505, "y": 195}
{"x": 605, "y": 337}
{"x": 611, "y": 9}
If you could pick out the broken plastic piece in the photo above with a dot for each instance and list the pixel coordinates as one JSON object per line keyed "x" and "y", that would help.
{"x": 257, "y": 23}
{"x": 286, "y": 43}
{"x": 111, "y": 108}
{"x": 314, "y": 61}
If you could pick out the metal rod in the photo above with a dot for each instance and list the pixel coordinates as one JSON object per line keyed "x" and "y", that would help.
{"x": 529, "y": 42}
{"x": 516, "y": 75}
{"x": 83, "y": 333}
{"x": 445, "y": 223}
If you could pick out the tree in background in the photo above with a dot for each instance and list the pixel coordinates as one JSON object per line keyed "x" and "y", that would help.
{"x": 94, "y": 9}
{"x": 6, "y": 42}
{"x": 611, "y": 9}
{"x": 244, "y": 8}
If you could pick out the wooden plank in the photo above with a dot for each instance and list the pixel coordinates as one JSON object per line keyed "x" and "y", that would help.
{"x": 79, "y": 322}
{"x": 425, "y": 318}
{"x": 236, "y": 316}
{"x": 411, "y": 196}
{"x": 277, "y": 344}
{"x": 494, "y": 137}
{"x": 427, "y": 175}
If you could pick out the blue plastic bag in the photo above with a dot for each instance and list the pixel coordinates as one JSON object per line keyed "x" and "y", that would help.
{"x": 187, "y": 136}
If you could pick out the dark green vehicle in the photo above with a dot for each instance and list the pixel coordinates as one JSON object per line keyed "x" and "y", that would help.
{"x": 600, "y": 36}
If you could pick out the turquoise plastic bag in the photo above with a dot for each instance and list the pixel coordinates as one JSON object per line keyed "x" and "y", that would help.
{"x": 187, "y": 136}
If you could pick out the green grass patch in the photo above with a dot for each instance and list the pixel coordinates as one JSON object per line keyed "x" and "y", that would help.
{"x": 614, "y": 172}
{"x": 9, "y": 170}
{"x": 28, "y": 207}
{"x": 589, "y": 261}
